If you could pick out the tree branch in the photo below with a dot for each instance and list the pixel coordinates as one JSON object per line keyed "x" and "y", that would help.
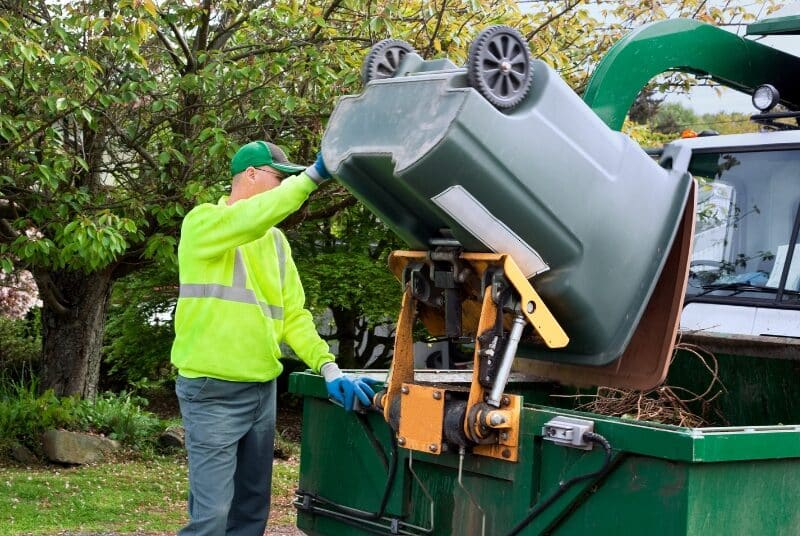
{"x": 7, "y": 233}
{"x": 325, "y": 16}
{"x": 171, "y": 51}
{"x": 201, "y": 39}
{"x": 224, "y": 34}
{"x": 13, "y": 146}
{"x": 50, "y": 294}
{"x": 430, "y": 47}
{"x": 569, "y": 5}
{"x": 191, "y": 64}
{"x": 257, "y": 51}
{"x": 135, "y": 146}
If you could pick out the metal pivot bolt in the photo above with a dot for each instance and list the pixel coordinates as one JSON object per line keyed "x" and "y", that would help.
{"x": 432, "y": 447}
{"x": 401, "y": 441}
{"x": 437, "y": 395}
{"x": 404, "y": 389}
{"x": 497, "y": 419}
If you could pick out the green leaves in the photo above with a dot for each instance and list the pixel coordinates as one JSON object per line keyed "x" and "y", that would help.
{"x": 6, "y": 82}
{"x": 115, "y": 118}
{"x": 90, "y": 244}
{"x": 162, "y": 248}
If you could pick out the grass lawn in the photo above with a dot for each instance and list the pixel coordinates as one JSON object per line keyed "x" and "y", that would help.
{"x": 142, "y": 497}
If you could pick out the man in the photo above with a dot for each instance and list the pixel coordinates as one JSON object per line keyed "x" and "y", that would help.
{"x": 240, "y": 297}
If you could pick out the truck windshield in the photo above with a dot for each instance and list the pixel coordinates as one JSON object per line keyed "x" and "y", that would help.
{"x": 747, "y": 215}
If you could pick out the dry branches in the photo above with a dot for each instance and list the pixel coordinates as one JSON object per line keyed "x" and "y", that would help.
{"x": 665, "y": 404}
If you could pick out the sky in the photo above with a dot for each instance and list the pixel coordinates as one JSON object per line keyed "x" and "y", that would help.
{"x": 705, "y": 99}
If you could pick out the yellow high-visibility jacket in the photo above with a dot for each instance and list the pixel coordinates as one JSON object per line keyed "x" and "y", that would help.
{"x": 240, "y": 294}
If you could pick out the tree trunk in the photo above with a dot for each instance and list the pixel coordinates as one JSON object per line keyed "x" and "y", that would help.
{"x": 72, "y": 335}
{"x": 346, "y": 335}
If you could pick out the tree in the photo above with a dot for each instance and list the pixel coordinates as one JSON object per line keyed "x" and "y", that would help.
{"x": 646, "y": 106}
{"x": 116, "y": 117}
{"x": 343, "y": 264}
{"x": 673, "y": 118}
{"x": 139, "y": 330}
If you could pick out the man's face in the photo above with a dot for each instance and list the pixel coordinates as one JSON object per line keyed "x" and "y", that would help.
{"x": 265, "y": 178}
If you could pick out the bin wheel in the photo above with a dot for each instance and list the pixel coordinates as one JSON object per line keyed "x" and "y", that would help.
{"x": 383, "y": 59}
{"x": 499, "y": 66}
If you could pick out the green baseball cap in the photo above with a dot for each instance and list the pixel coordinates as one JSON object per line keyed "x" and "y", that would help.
{"x": 262, "y": 153}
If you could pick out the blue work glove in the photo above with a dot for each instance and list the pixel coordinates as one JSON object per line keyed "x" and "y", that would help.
{"x": 347, "y": 390}
{"x": 317, "y": 171}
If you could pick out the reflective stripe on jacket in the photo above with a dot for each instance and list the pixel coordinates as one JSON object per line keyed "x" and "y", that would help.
{"x": 240, "y": 294}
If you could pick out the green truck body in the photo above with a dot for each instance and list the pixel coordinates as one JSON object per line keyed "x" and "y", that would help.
{"x": 737, "y": 475}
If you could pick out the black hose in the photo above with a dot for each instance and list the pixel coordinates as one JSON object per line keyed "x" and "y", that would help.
{"x": 564, "y": 486}
{"x": 372, "y": 439}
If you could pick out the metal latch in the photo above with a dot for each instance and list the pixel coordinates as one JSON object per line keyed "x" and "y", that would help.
{"x": 569, "y": 432}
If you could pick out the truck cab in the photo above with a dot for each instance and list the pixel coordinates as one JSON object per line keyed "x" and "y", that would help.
{"x": 745, "y": 269}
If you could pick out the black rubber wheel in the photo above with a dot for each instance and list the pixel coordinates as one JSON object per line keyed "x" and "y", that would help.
{"x": 383, "y": 59}
{"x": 499, "y": 66}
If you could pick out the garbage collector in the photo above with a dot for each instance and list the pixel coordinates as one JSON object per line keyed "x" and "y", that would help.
{"x": 240, "y": 297}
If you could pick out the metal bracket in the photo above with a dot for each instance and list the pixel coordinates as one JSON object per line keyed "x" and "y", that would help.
{"x": 568, "y": 431}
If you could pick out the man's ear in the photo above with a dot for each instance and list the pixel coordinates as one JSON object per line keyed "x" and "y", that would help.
{"x": 250, "y": 172}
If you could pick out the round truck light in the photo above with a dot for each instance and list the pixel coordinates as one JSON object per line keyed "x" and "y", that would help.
{"x": 765, "y": 97}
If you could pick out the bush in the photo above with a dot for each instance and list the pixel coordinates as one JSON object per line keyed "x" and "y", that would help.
{"x": 139, "y": 332}
{"x": 25, "y": 414}
{"x": 20, "y": 346}
{"x": 121, "y": 417}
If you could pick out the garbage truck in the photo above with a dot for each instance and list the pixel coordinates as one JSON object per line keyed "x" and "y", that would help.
{"x": 551, "y": 261}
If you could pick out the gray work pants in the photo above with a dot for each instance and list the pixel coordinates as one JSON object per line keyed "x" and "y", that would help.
{"x": 230, "y": 430}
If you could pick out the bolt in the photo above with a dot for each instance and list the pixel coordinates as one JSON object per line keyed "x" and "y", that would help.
{"x": 506, "y": 453}
{"x": 404, "y": 389}
{"x": 488, "y": 379}
{"x": 504, "y": 436}
{"x": 489, "y": 362}
{"x": 505, "y": 66}
{"x": 437, "y": 395}
{"x": 531, "y": 307}
{"x": 505, "y": 400}
{"x": 401, "y": 441}
{"x": 432, "y": 447}
{"x": 497, "y": 419}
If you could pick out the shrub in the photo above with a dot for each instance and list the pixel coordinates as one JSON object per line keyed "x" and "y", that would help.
{"x": 121, "y": 417}
{"x": 137, "y": 345}
{"x": 25, "y": 414}
{"x": 20, "y": 346}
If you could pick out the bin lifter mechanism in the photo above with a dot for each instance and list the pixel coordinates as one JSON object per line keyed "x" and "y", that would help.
{"x": 480, "y": 298}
